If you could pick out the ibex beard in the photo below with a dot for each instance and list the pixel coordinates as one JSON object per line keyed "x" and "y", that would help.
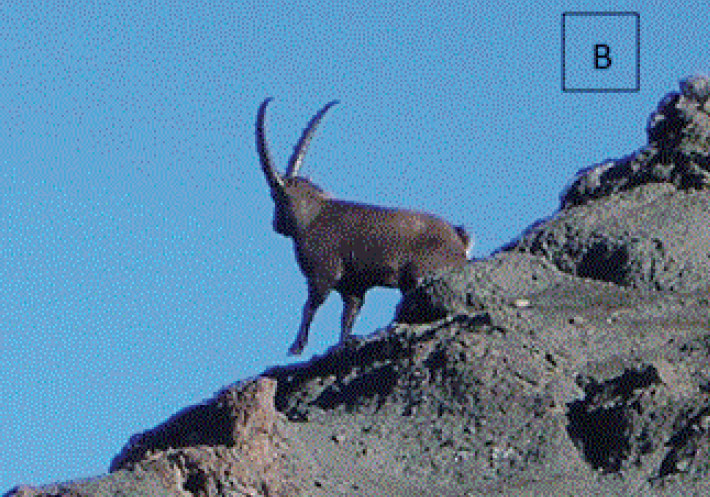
{"x": 347, "y": 246}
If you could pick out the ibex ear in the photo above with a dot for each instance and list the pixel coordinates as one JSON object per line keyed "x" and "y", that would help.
{"x": 267, "y": 164}
{"x": 294, "y": 163}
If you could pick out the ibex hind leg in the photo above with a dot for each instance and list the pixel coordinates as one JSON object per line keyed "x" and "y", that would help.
{"x": 316, "y": 297}
{"x": 351, "y": 308}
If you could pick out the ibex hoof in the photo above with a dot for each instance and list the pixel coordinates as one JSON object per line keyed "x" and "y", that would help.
{"x": 296, "y": 348}
{"x": 348, "y": 341}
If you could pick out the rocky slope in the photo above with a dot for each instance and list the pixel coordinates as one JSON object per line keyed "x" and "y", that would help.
{"x": 572, "y": 362}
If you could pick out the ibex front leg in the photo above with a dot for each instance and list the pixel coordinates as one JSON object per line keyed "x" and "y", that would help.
{"x": 316, "y": 296}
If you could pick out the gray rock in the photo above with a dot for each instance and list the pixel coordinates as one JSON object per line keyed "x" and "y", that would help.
{"x": 641, "y": 221}
{"x": 652, "y": 237}
{"x": 678, "y": 150}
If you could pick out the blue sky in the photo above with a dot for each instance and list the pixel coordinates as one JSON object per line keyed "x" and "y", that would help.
{"x": 139, "y": 272}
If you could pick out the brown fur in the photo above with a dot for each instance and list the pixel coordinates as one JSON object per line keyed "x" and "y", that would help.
{"x": 351, "y": 247}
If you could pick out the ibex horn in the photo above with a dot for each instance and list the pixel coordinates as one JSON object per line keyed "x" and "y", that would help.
{"x": 294, "y": 164}
{"x": 267, "y": 164}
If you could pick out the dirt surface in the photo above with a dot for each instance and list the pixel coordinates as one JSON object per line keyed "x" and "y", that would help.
{"x": 580, "y": 385}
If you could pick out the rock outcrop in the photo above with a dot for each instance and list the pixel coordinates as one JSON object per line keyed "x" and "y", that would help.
{"x": 575, "y": 361}
{"x": 678, "y": 150}
{"x": 641, "y": 221}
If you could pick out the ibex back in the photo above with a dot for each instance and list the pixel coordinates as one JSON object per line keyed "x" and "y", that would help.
{"x": 347, "y": 246}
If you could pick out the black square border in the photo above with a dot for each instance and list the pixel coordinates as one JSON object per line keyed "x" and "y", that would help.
{"x": 638, "y": 54}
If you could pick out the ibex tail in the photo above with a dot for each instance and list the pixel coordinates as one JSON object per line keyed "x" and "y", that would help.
{"x": 466, "y": 239}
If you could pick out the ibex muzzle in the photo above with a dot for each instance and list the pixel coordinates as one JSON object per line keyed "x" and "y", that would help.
{"x": 347, "y": 246}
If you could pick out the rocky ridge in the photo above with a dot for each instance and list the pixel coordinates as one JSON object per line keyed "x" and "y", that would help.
{"x": 572, "y": 362}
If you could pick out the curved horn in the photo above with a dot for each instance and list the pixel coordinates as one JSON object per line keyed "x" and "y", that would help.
{"x": 294, "y": 164}
{"x": 267, "y": 164}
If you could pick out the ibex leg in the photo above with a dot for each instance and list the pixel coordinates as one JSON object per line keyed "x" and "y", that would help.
{"x": 351, "y": 308}
{"x": 316, "y": 297}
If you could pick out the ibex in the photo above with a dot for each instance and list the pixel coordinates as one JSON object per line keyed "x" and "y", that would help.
{"x": 347, "y": 246}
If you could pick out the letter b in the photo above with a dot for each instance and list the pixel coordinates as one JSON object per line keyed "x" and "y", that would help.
{"x": 602, "y": 56}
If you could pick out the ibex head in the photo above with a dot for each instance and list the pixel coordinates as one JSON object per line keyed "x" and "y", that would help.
{"x": 297, "y": 199}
